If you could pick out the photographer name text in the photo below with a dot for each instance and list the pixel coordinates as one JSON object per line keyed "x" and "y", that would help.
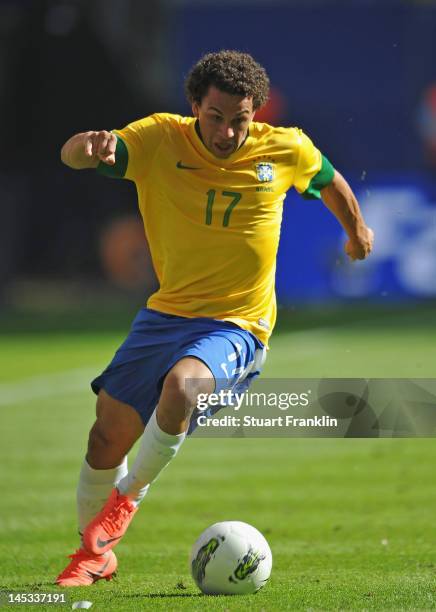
{"x": 252, "y": 421}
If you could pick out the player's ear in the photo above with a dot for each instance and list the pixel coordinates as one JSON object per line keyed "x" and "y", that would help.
{"x": 195, "y": 109}
{"x": 254, "y": 111}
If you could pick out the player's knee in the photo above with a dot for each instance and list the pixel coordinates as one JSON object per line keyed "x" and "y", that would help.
{"x": 176, "y": 393}
{"x": 104, "y": 452}
{"x": 99, "y": 438}
{"x": 184, "y": 382}
{"x": 178, "y": 399}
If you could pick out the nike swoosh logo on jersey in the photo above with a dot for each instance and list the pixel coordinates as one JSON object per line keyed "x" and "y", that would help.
{"x": 182, "y": 166}
{"x": 103, "y": 543}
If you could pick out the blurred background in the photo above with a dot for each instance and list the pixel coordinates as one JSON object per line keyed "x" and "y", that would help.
{"x": 359, "y": 76}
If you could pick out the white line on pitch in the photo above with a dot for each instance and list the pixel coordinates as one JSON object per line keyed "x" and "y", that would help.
{"x": 47, "y": 385}
{"x": 77, "y": 380}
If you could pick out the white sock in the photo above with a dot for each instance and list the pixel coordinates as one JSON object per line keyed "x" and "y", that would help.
{"x": 156, "y": 450}
{"x": 94, "y": 488}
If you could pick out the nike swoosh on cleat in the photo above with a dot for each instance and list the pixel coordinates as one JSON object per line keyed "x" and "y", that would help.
{"x": 103, "y": 543}
{"x": 182, "y": 166}
{"x": 99, "y": 573}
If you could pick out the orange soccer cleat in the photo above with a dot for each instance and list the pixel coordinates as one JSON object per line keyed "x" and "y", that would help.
{"x": 85, "y": 569}
{"x": 110, "y": 524}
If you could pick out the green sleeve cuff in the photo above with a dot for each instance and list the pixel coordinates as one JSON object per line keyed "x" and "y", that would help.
{"x": 118, "y": 170}
{"x": 323, "y": 178}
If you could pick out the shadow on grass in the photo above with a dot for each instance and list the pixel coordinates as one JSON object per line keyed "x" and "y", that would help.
{"x": 19, "y": 586}
{"x": 36, "y": 586}
{"x": 160, "y": 595}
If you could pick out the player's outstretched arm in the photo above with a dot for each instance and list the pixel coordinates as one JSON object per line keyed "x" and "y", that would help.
{"x": 341, "y": 201}
{"x": 88, "y": 149}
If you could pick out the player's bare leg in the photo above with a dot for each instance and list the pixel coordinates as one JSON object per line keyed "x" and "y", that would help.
{"x": 114, "y": 432}
{"x": 116, "y": 429}
{"x": 164, "y": 434}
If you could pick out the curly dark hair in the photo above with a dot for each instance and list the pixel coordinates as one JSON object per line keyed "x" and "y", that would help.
{"x": 233, "y": 72}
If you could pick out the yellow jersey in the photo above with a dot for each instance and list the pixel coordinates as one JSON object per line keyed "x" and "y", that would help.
{"x": 212, "y": 224}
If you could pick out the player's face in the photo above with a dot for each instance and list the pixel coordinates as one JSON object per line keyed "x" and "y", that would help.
{"x": 224, "y": 121}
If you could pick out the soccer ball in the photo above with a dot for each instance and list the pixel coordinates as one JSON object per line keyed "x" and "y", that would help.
{"x": 231, "y": 558}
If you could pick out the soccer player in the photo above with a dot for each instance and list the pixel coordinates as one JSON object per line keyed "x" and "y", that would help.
{"x": 210, "y": 191}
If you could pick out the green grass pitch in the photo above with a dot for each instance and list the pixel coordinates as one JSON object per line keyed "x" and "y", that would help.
{"x": 351, "y": 523}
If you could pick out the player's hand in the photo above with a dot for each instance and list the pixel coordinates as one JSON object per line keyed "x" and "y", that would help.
{"x": 360, "y": 246}
{"x": 101, "y": 146}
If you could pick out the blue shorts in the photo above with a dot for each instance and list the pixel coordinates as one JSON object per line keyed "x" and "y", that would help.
{"x": 157, "y": 341}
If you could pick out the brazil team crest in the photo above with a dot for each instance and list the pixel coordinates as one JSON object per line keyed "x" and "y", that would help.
{"x": 265, "y": 172}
